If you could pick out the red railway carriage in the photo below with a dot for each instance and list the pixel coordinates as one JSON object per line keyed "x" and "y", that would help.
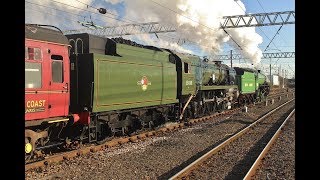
{"x": 46, "y": 77}
{"x": 46, "y": 81}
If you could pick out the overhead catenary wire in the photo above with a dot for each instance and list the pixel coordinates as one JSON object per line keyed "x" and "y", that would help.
{"x": 163, "y": 7}
{"x": 258, "y": 27}
{"x": 55, "y": 9}
{"x": 101, "y": 10}
{"x": 266, "y": 12}
{"x": 271, "y": 41}
{"x": 104, "y": 16}
{"x": 64, "y": 17}
{"x": 91, "y": 11}
{"x": 273, "y": 38}
{"x": 274, "y": 35}
{"x": 138, "y": 22}
{"x": 195, "y": 21}
{"x": 88, "y": 5}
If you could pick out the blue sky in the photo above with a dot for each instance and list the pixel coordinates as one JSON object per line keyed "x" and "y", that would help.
{"x": 284, "y": 41}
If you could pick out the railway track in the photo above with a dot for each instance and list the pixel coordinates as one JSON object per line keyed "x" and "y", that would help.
{"x": 252, "y": 171}
{"x": 118, "y": 141}
{"x": 280, "y": 90}
{"x": 224, "y": 161}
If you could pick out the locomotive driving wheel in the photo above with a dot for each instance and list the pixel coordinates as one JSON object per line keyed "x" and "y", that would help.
{"x": 104, "y": 134}
{"x": 221, "y": 106}
{"x": 214, "y": 107}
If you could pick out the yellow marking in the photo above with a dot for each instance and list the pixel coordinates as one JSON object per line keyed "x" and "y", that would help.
{"x": 144, "y": 87}
{"x": 35, "y": 103}
{"x": 58, "y": 120}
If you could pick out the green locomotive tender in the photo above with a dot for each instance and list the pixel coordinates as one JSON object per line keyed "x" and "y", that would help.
{"x": 252, "y": 85}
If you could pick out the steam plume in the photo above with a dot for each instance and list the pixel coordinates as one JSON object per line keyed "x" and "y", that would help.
{"x": 197, "y": 21}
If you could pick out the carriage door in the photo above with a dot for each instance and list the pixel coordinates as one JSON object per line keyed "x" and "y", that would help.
{"x": 59, "y": 82}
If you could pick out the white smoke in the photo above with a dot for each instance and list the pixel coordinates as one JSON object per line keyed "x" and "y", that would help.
{"x": 160, "y": 43}
{"x": 199, "y": 22}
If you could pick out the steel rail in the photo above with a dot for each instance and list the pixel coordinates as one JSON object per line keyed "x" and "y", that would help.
{"x": 264, "y": 152}
{"x": 197, "y": 162}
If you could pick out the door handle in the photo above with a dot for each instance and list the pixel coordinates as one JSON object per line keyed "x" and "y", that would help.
{"x": 66, "y": 86}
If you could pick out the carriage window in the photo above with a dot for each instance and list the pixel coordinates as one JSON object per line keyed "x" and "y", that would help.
{"x": 57, "y": 68}
{"x": 33, "y": 75}
{"x": 186, "y": 68}
{"x": 34, "y": 53}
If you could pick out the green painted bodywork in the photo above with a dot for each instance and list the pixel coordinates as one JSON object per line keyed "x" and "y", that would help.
{"x": 246, "y": 82}
{"x": 260, "y": 80}
{"x": 118, "y": 81}
{"x": 206, "y": 88}
{"x": 212, "y": 71}
{"x": 199, "y": 75}
{"x": 189, "y": 79}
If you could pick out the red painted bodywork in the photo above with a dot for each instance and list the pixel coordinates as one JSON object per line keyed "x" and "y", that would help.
{"x": 52, "y": 99}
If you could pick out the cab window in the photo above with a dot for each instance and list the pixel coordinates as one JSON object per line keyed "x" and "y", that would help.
{"x": 186, "y": 68}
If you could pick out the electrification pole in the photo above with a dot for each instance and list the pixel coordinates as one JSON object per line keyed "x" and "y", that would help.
{"x": 279, "y": 72}
{"x": 285, "y": 76}
{"x": 270, "y": 72}
{"x": 231, "y": 57}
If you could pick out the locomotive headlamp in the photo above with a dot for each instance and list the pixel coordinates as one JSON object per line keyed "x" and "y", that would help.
{"x": 28, "y": 148}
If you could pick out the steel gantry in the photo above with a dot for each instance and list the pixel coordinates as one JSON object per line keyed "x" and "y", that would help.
{"x": 127, "y": 29}
{"x": 237, "y": 21}
{"x": 264, "y": 56}
{"x": 259, "y": 19}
